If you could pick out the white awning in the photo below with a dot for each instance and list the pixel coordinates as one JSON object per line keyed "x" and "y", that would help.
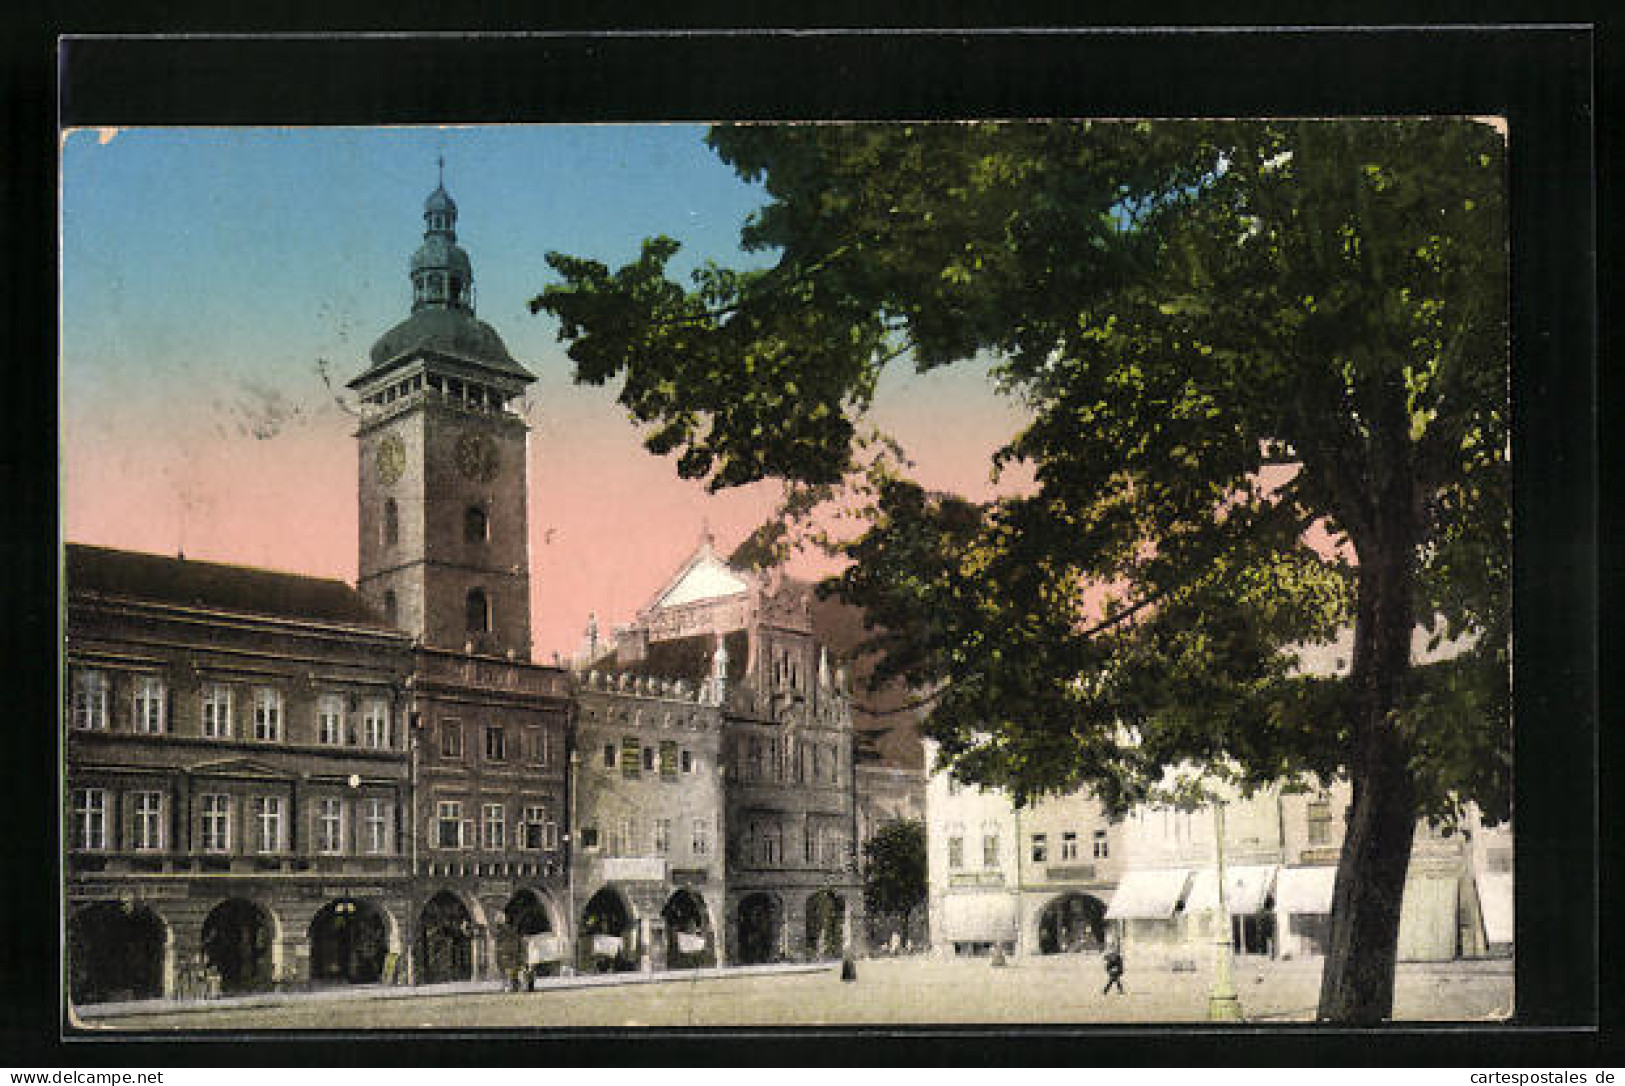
{"x": 1305, "y": 890}
{"x": 979, "y": 918}
{"x": 1149, "y": 895}
{"x": 1247, "y": 888}
{"x": 1495, "y": 903}
{"x": 543, "y": 948}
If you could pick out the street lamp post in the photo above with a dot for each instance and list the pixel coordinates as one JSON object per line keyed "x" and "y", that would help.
{"x": 1222, "y": 1004}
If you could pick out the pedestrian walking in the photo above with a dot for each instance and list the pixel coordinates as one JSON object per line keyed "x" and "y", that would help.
{"x": 1114, "y": 971}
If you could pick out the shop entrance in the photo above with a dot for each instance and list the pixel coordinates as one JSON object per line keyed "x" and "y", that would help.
{"x": 348, "y": 943}
{"x": 1071, "y": 924}
{"x": 445, "y": 944}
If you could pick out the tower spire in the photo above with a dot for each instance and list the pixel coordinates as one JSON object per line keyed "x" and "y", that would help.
{"x": 442, "y": 277}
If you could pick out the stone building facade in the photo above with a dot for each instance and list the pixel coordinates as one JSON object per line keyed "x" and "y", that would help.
{"x": 787, "y": 749}
{"x": 649, "y": 878}
{"x": 237, "y": 800}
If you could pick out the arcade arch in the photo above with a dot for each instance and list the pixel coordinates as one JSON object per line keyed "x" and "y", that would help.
{"x": 116, "y": 951}
{"x": 239, "y": 944}
{"x": 761, "y": 921}
{"x": 690, "y": 940}
{"x": 349, "y": 941}
{"x": 1070, "y": 923}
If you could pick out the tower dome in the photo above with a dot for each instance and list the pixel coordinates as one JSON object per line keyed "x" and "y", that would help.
{"x": 442, "y": 276}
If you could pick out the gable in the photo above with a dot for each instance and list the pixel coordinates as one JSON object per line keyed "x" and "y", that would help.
{"x": 239, "y": 767}
{"x": 708, "y": 578}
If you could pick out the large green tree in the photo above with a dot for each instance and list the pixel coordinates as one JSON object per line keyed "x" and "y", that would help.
{"x": 1266, "y": 368}
{"x": 894, "y": 872}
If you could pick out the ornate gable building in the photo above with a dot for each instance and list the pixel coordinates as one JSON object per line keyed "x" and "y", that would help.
{"x": 746, "y": 640}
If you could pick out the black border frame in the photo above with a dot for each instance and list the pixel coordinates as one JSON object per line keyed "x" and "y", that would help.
{"x": 1540, "y": 77}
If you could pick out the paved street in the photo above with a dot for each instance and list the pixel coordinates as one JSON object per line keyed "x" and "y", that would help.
{"x": 907, "y": 991}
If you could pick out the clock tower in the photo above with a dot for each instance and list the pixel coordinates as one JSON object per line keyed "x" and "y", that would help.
{"x": 443, "y": 551}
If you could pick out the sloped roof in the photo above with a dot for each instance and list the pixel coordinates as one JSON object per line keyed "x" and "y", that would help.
{"x": 184, "y": 582}
{"x": 687, "y": 658}
{"x": 445, "y": 331}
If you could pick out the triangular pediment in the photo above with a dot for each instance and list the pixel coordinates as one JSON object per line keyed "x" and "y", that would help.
{"x": 704, "y": 577}
{"x": 241, "y": 767}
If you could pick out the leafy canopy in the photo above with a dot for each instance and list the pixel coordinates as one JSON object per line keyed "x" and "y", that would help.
{"x": 1260, "y": 359}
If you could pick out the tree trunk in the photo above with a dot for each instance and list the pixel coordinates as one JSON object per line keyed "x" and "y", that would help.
{"x": 1357, "y": 984}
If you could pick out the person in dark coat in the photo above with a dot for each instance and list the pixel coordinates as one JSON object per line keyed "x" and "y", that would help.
{"x": 1114, "y": 970}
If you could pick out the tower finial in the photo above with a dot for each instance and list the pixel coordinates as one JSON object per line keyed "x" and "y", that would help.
{"x": 440, "y": 163}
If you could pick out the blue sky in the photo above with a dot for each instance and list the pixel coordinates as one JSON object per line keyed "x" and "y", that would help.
{"x": 210, "y": 275}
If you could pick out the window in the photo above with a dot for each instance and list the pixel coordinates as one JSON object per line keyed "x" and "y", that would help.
{"x": 631, "y": 756}
{"x": 217, "y": 711}
{"x": 956, "y": 852}
{"x": 686, "y": 760}
{"x": 620, "y": 841}
{"x": 449, "y": 819}
{"x": 330, "y": 826}
{"x": 700, "y": 841}
{"x": 147, "y": 831}
{"x": 532, "y": 834}
{"x": 90, "y": 700}
{"x": 375, "y": 724}
{"x": 90, "y": 818}
{"x": 477, "y": 611}
{"x": 330, "y": 720}
{"x": 376, "y": 817}
{"x": 268, "y": 715}
{"x": 475, "y": 525}
{"x": 216, "y": 823}
{"x": 544, "y": 745}
{"x": 1320, "y": 822}
{"x": 990, "y": 848}
{"x": 1101, "y": 847}
{"x": 496, "y": 743}
{"x": 809, "y": 847}
{"x": 268, "y": 823}
{"x": 391, "y": 606}
{"x": 648, "y": 759}
{"x": 609, "y": 755}
{"x": 451, "y": 740}
{"x": 1040, "y": 848}
{"x": 772, "y": 844}
{"x": 392, "y": 523}
{"x": 662, "y": 835}
{"x": 589, "y": 838}
{"x": 496, "y": 830}
{"x": 150, "y": 699}
{"x": 1069, "y": 846}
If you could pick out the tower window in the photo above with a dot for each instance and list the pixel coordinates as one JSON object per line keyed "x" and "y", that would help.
{"x": 478, "y": 611}
{"x": 391, "y": 610}
{"x": 476, "y": 527}
{"x": 392, "y": 522}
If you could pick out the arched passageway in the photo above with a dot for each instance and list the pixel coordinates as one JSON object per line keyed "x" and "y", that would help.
{"x": 115, "y": 953}
{"x": 349, "y": 941}
{"x": 826, "y": 919}
{"x": 689, "y": 939}
{"x": 1071, "y": 923}
{"x": 759, "y": 922}
{"x": 237, "y": 941}
{"x": 530, "y": 941}
{"x": 445, "y": 943}
{"x": 606, "y": 939}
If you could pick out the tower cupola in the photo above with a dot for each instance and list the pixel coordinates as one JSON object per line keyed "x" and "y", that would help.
{"x": 442, "y": 276}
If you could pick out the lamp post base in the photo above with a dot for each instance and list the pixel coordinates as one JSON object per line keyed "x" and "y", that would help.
{"x": 1223, "y": 1007}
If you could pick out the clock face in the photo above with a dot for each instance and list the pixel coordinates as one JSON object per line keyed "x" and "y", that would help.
{"x": 391, "y": 459}
{"x": 477, "y": 457}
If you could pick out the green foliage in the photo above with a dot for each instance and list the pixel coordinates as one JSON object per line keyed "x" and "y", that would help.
{"x": 894, "y": 870}
{"x": 1232, "y": 336}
